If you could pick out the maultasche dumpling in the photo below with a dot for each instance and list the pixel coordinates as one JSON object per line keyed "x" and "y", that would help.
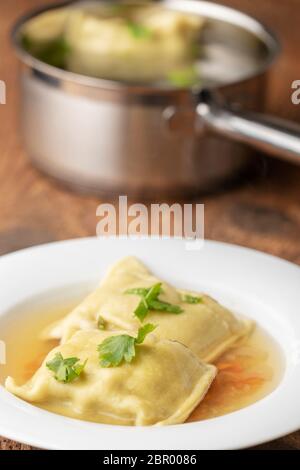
{"x": 162, "y": 385}
{"x": 206, "y": 327}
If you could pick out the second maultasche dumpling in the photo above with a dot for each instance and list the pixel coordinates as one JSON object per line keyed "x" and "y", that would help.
{"x": 146, "y": 44}
{"x": 162, "y": 385}
{"x": 207, "y": 328}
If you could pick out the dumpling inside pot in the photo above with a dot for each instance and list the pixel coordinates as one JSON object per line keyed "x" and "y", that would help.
{"x": 126, "y": 42}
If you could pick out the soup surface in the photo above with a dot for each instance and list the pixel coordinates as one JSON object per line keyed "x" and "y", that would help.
{"x": 247, "y": 372}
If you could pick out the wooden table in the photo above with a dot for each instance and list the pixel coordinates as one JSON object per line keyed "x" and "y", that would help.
{"x": 263, "y": 213}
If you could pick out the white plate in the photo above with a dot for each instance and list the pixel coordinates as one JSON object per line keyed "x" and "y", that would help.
{"x": 262, "y": 287}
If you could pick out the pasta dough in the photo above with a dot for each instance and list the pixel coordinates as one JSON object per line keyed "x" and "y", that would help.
{"x": 207, "y": 328}
{"x": 137, "y": 43}
{"x": 162, "y": 385}
{"x": 111, "y": 48}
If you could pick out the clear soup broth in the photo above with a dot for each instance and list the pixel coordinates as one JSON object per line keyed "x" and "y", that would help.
{"x": 247, "y": 372}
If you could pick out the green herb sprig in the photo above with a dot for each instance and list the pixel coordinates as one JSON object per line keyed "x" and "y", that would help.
{"x": 138, "y": 31}
{"x": 65, "y": 370}
{"x": 101, "y": 324}
{"x": 116, "y": 349}
{"x": 191, "y": 299}
{"x": 185, "y": 77}
{"x": 54, "y": 52}
{"x": 150, "y": 301}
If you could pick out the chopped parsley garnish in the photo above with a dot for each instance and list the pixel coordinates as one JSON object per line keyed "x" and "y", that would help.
{"x": 150, "y": 301}
{"x": 142, "y": 309}
{"x": 116, "y": 349}
{"x": 143, "y": 332}
{"x": 101, "y": 323}
{"x": 54, "y": 52}
{"x": 184, "y": 78}
{"x": 65, "y": 370}
{"x": 138, "y": 291}
{"x": 165, "y": 307}
{"x": 138, "y": 30}
{"x": 191, "y": 299}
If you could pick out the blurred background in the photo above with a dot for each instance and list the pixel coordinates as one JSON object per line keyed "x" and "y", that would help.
{"x": 261, "y": 212}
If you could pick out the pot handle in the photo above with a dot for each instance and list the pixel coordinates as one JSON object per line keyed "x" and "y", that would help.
{"x": 272, "y": 135}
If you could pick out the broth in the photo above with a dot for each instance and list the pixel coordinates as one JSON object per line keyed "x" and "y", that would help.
{"x": 248, "y": 371}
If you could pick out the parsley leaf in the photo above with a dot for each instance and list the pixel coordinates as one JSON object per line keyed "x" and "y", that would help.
{"x": 184, "y": 78}
{"x": 116, "y": 349}
{"x": 65, "y": 370}
{"x": 140, "y": 291}
{"x": 143, "y": 332}
{"x": 137, "y": 291}
{"x": 153, "y": 292}
{"x": 164, "y": 307}
{"x": 142, "y": 309}
{"x": 139, "y": 31}
{"x": 190, "y": 299}
{"x": 54, "y": 52}
{"x": 148, "y": 295}
{"x": 150, "y": 301}
{"x": 101, "y": 323}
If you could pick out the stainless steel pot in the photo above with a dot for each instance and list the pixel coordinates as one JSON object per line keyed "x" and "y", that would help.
{"x": 105, "y": 136}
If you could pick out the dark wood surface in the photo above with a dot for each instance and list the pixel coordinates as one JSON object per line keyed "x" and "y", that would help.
{"x": 262, "y": 213}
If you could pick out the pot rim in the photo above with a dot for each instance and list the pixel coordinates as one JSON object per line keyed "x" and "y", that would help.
{"x": 203, "y": 8}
